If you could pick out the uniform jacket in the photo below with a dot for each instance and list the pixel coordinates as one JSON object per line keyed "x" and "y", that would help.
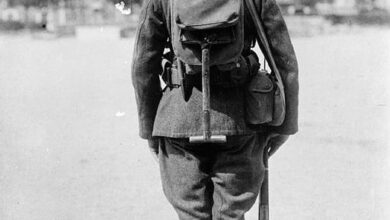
{"x": 163, "y": 112}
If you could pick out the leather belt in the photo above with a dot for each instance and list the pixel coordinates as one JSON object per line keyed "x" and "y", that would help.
{"x": 173, "y": 78}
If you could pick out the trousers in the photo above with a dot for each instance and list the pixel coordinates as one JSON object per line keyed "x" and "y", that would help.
{"x": 212, "y": 181}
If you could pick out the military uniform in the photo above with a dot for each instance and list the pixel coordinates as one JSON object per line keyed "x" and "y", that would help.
{"x": 208, "y": 181}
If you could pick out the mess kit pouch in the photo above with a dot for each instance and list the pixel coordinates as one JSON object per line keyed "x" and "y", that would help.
{"x": 259, "y": 99}
{"x": 264, "y": 101}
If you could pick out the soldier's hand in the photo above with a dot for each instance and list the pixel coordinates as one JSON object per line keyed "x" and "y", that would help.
{"x": 154, "y": 147}
{"x": 274, "y": 142}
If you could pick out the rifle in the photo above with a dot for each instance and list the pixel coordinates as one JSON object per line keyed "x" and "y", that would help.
{"x": 264, "y": 45}
{"x": 264, "y": 194}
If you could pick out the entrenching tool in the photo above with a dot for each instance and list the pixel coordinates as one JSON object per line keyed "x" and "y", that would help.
{"x": 207, "y": 137}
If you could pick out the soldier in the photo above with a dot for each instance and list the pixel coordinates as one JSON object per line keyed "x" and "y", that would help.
{"x": 208, "y": 180}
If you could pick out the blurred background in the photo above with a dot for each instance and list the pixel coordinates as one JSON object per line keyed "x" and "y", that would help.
{"x": 62, "y": 16}
{"x": 69, "y": 144}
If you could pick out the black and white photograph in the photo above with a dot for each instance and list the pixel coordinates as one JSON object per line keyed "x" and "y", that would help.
{"x": 194, "y": 109}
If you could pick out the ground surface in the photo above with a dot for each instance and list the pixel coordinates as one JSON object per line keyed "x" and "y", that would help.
{"x": 69, "y": 147}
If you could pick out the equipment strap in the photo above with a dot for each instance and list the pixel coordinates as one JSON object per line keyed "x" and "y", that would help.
{"x": 262, "y": 39}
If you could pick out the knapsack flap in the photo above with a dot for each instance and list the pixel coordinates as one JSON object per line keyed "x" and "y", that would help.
{"x": 206, "y": 14}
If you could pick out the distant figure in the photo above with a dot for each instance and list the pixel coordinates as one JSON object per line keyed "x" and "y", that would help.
{"x": 44, "y": 18}
{"x": 207, "y": 72}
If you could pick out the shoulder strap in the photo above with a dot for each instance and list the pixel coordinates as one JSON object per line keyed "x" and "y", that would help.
{"x": 262, "y": 38}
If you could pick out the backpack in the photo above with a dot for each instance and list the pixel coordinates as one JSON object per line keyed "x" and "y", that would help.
{"x": 206, "y": 34}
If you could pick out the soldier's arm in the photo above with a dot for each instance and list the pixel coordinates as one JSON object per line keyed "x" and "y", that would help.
{"x": 149, "y": 44}
{"x": 284, "y": 55}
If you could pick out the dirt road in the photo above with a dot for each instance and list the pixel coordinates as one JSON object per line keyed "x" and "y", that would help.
{"x": 69, "y": 148}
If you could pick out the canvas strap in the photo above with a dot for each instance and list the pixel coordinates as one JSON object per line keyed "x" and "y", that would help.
{"x": 262, "y": 39}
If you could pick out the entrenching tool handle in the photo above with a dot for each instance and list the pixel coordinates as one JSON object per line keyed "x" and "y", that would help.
{"x": 206, "y": 91}
{"x": 206, "y": 138}
{"x": 215, "y": 139}
{"x": 264, "y": 193}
